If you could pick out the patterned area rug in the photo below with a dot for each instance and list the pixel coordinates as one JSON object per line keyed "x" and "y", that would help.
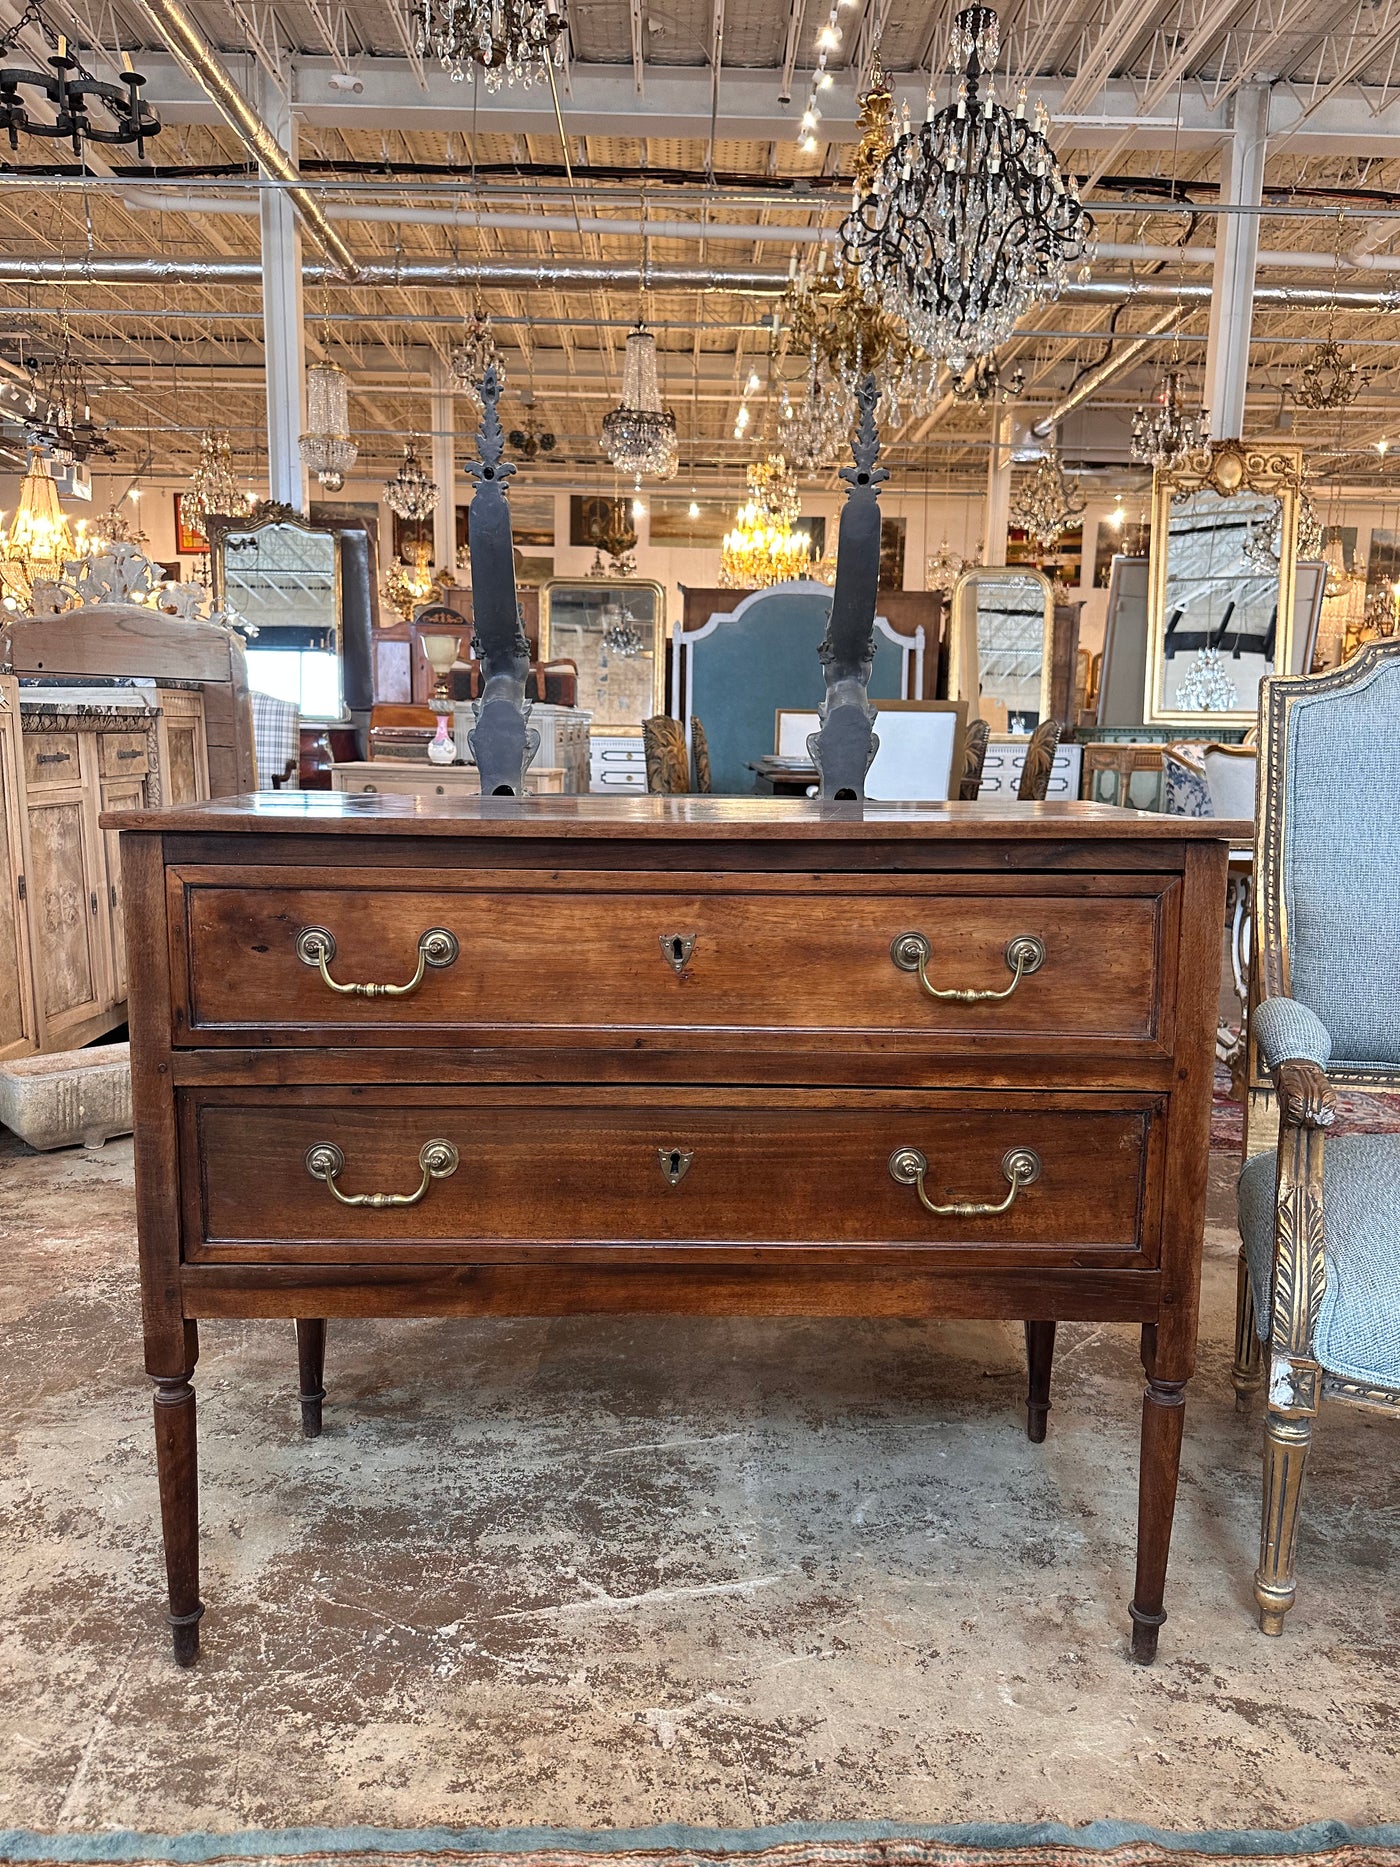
{"x": 874, "y": 1844}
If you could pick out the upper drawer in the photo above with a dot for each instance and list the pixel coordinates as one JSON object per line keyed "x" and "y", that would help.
{"x": 123, "y": 755}
{"x": 520, "y": 958}
{"x": 50, "y": 758}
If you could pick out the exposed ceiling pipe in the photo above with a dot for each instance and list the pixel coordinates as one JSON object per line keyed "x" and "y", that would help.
{"x": 748, "y": 281}
{"x": 191, "y": 49}
{"x": 1121, "y": 360}
{"x": 387, "y": 212}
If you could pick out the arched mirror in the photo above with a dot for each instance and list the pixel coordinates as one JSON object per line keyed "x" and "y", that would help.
{"x": 1000, "y": 647}
{"x": 1220, "y": 602}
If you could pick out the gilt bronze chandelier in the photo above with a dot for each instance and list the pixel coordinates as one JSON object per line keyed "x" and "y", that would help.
{"x": 970, "y": 220}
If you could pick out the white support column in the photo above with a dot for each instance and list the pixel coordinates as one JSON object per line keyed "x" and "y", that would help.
{"x": 284, "y": 336}
{"x": 444, "y": 417}
{"x": 998, "y": 513}
{"x": 1236, "y": 252}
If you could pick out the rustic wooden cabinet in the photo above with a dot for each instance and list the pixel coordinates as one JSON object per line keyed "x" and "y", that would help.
{"x": 184, "y": 750}
{"x": 19, "y": 1023}
{"x": 697, "y": 1055}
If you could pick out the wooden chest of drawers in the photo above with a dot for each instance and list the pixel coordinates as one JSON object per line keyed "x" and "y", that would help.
{"x": 666, "y": 1054}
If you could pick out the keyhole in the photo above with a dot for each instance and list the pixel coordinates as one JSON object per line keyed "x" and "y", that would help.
{"x": 673, "y": 1162}
{"x": 677, "y": 950}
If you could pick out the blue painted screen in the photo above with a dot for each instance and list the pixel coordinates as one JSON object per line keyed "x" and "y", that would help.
{"x": 745, "y": 670}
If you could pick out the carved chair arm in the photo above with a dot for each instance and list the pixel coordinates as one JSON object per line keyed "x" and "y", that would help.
{"x": 1305, "y": 1097}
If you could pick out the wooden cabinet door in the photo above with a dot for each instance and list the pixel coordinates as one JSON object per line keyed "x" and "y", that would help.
{"x": 19, "y": 1027}
{"x": 117, "y": 794}
{"x": 67, "y": 912}
{"x": 184, "y": 753}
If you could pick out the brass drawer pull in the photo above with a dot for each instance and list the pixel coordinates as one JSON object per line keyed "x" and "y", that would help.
{"x": 1024, "y": 955}
{"x": 324, "y": 1161}
{"x": 1020, "y": 1166}
{"x": 316, "y": 947}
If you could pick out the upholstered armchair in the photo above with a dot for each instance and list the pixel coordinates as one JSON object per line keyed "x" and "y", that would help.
{"x": 1320, "y": 1219}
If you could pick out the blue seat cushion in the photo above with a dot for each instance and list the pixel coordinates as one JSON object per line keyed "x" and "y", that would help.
{"x": 1357, "y": 1330}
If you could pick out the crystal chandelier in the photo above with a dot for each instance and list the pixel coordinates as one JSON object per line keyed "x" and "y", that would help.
{"x": 326, "y": 447}
{"x": 853, "y": 337}
{"x": 811, "y": 431}
{"x": 1207, "y": 688}
{"x": 983, "y": 385}
{"x": 970, "y": 220}
{"x": 213, "y": 486}
{"x": 1048, "y": 503}
{"x": 612, "y": 531}
{"x": 1163, "y": 433}
{"x": 942, "y": 568}
{"x": 762, "y": 548}
{"x": 39, "y": 541}
{"x": 65, "y": 427}
{"x": 639, "y": 435}
{"x": 621, "y": 636}
{"x": 411, "y": 493}
{"x": 514, "y": 41}
{"x": 1328, "y": 380}
{"x": 409, "y": 585}
{"x": 476, "y": 353}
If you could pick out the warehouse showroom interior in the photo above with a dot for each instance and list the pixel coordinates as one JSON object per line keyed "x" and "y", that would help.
{"x": 699, "y": 933}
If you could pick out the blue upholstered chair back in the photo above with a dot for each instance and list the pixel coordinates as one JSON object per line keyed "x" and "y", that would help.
{"x": 766, "y": 658}
{"x": 1336, "y": 815}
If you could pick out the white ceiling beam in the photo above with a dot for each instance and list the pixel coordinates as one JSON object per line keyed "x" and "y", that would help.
{"x": 677, "y": 104}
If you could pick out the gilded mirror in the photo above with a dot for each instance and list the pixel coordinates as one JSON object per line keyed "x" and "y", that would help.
{"x": 614, "y": 631}
{"x": 1000, "y": 649}
{"x": 281, "y": 577}
{"x": 1220, "y": 596}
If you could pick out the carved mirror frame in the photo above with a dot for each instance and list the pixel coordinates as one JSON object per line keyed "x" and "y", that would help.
{"x": 1228, "y": 468}
{"x": 964, "y": 658}
{"x": 220, "y": 526}
{"x": 605, "y": 586}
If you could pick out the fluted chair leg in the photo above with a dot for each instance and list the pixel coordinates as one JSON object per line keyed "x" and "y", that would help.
{"x": 1247, "y": 1371}
{"x": 1285, "y": 1457}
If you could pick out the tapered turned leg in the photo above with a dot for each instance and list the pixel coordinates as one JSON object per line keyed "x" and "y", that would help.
{"x": 311, "y": 1360}
{"x": 178, "y": 1472}
{"x": 1163, "y": 1415}
{"x": 1247, "y": 1372}
{"x": 1285, "y": 1457}
{"x": 1040, "y": 1354}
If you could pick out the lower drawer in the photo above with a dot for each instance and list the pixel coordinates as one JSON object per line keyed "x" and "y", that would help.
{"x": 267, "y": 1174}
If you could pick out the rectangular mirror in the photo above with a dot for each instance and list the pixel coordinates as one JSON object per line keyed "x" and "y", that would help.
{"x": 282, "y": 577}
{"x": 1000, "y": 645}
{"x": 614, "y": 632}
{"x": 1221, "y": 580}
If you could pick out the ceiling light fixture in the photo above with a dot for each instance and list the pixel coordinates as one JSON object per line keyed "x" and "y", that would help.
{"x": 326, "y": 447}
{"x": 1048, "y": 504}
{"x": 970, "y": 220}
{"x": 1163, "y": 432}
{"x": 475, "y": 354}
{"x": 639, "y": 435}
{"x": 412, "y": 493}
{"x": 513, "y": 41}
{"x": 213, "y": 488}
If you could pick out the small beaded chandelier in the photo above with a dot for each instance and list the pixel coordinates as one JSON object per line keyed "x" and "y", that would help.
{"x": 213, "y": 485}
{"x": 476, "y": 353}
{"x": 970, "y": 220}
{"x": 1163, "y": 432}
{"x": 513, "y": 41}
{"x": 326, "y": 447}
{"x": 1049, "y": 502}
{"x": 412, "y": 494}
{"x": 639, "y": 435}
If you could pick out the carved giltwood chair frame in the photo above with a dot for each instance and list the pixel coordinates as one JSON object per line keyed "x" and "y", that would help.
{"x": 1309, "y": 1213}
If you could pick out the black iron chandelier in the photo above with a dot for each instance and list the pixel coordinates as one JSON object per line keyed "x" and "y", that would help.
{"x": 63, "y": 423}
{"x": 513, "y": 41}
{"x": 69, "y": 93}
{"x": 970, "y": 220}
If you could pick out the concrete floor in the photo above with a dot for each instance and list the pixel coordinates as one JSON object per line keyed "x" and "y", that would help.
{"x": 602, "y": 1573}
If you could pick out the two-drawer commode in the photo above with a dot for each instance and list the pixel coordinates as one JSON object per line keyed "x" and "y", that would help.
{"x": 399, "y": 1057}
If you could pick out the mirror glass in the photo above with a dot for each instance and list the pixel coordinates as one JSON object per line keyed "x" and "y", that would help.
{"x": 284, "y": 581}
{"x": 1220, "y": 622}
{"x": 612, "y": 631}
{"x": 1000, "y": 663}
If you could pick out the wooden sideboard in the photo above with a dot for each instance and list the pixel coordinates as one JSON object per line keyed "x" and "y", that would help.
{"x": 683, "y": 1054}
{"x": 63, "y": 963}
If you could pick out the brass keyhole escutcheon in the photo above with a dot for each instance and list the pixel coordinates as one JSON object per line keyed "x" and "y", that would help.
{"x": 675, "y": 1163}
{"x": 676, "y": 949}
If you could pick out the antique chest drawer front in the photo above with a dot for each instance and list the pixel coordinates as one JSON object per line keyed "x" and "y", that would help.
{"x": 51, "y": 758}
{"x": 355, "y": 1173}
{"x": 123, "y": 755}
{"x": 523, "y": 959}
